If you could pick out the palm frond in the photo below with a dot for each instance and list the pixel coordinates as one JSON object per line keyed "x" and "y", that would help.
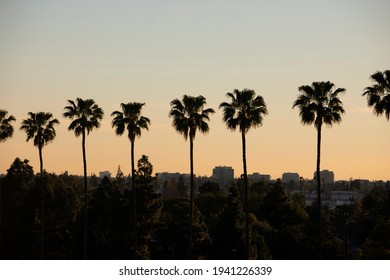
{"x": 378, "y": 95}
{"x": 39, "y": 127}
{"x": 319, "y": 104}
{"x": 246, "y": 110}
{"x": 189, "y": 115}
{"x": 85, "y": 115}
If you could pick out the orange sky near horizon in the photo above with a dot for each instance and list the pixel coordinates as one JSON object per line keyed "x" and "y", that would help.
{"x": 147, "y": 51}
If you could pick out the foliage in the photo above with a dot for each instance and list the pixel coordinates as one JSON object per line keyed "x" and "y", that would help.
{"x": 145, "y": 168}
{"x": 16, "y": 219}
{"x": 209, "y": 187}
{"x": 130, "y": 119}
{"x": 378, "y": 95}
{"x": 246, "y": 110}
{"x": 171, "y": 236}
{"x": 149, "y": 205}
{"x": 230, "y": 242}
{"x": 189, "y": 115}
{"x": 286, "y": 219}
{"x": 332, "y": 247}
{"x": 85, "y": 115}
{"x": 6, "y": 128}
{"x": 40, "y": 127}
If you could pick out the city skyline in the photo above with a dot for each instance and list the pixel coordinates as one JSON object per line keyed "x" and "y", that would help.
{"x": 150, "y": 52}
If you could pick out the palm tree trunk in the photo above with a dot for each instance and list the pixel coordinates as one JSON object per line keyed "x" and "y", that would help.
{"x": 191, "y": 197}
{"x": 85, "y": 247}
{"x": 319, "y": 191}
{"x": 42, "y": 204}
{"x": 133, "y": 187}
{"x": 246, "y": 196}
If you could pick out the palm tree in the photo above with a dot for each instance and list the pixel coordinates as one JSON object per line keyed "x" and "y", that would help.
{"x": 6, "y": 131}
{"x": 245, "y": 110}
{"x": 319, "y": 104}
{"x": 189, "y": 115}
{"x": 6, "y": 128}
{"x": 40, "y": 127}
{"x": 378, "y": 95}
{"x": 85, "y": 115}
{"x": 130, "y": 119}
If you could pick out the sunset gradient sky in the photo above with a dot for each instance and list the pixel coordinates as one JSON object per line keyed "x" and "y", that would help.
{"x": 154, "y": 51}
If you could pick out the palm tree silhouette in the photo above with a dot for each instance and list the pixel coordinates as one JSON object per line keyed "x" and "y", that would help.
{"x": 319, "y": 104}
{"x": 245, "y": 110}
{"x": 130, "y": 119}
{"x": 189, "y": 116}
{"x": 6, "y": 131}
{"x": 85, "y": 115}
{"x": 40, "y": 127}
{"x": 378, "y": 95}
{"x": 6, "y": 128}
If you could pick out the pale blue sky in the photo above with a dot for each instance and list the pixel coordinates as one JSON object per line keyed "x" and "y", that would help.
{"x": 155, "y": 51}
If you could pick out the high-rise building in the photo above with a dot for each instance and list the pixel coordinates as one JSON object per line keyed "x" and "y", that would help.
{"x": 289, "y": 177}
{"x": 327, "y": 177}
{"x": 223, "y": 175}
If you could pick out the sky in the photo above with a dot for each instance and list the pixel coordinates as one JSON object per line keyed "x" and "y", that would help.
{"x": 116, "y": 51}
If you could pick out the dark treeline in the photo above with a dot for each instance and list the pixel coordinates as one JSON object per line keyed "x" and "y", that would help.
{"x": 281, "y": 226}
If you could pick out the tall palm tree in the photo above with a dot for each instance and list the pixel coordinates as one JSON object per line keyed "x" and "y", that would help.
{"x": 130, "y": 119}
{"x": 40, "y": 127}
{"x": 6, "y": 128}
{"x": 319, "y": 104}
{"x": 6, "y": 131}
{"x": 245, "y": 110}
{"x": 378, "y": 95}
{"x": 85, "y": 115}
{"x": 189, "y": 115}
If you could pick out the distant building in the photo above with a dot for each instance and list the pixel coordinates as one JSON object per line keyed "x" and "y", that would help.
{"x": 103, "y": 174}
{"x": 166, "y": 176}
{"x": 169, "y": 183}
{"x": 223, "y": 175}
{"x": 257, "y": 177}
{"x": 290, "y": 177}
{"x": 327, "y": 177}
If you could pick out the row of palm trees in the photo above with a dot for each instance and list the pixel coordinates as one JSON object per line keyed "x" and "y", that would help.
{"x": 318, "y": 104}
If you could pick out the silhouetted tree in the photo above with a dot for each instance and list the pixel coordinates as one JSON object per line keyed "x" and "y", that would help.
{"x": 6, "y": 131}
{"x": 319, "y": 104}
{"x": 230, "y": 241}
{"x": 375, "y": 224}
{"x": 245, "y": 110}
{"x": 377, "y": 244}
{"x": 189, "y": 115}
{"x": 64, "y": 200}
{"x": 332, "y": 246}
{"x": 85, "y": 115}
{"x": 40, "y": 127}
{"x": 378, "y": 95}
{"x": 149, "y": 204}
{"x": 6, "y": 128}
{"x": 130, "y": 119}
{"x": 172, "y": 232}
{"x": 108, "y": 223}
{"x": 16, "y": 230}
{"x": 120, "y": 179}
{"x": 209, "y": 187}
{"x": 287, "y": 220}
